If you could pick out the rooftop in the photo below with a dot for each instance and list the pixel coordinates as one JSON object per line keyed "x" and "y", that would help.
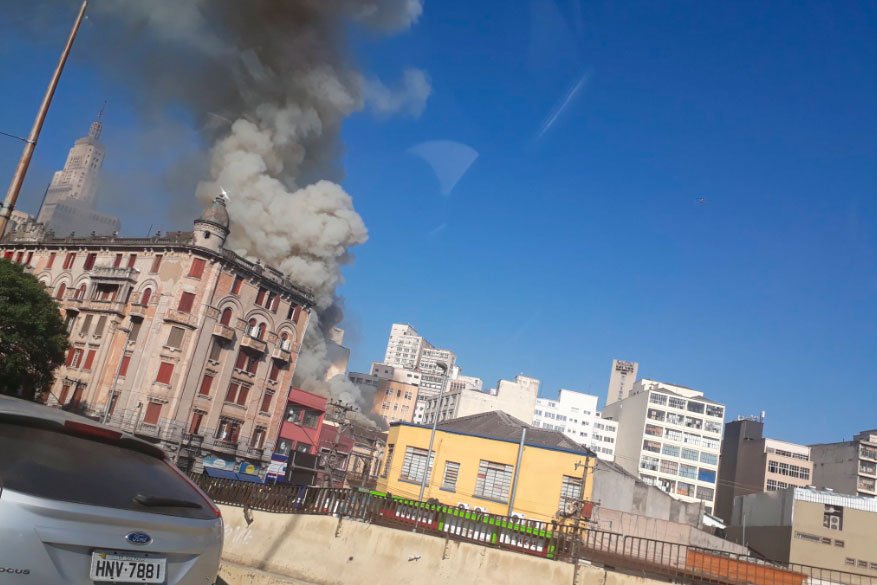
{"x": 503, "y": 427}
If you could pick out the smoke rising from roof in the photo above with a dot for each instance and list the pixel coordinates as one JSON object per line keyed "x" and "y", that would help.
{"x": 269, "y": 83}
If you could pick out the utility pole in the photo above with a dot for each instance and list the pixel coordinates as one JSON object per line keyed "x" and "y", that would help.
{"x": 517, "y": 470}
{"x": 31, "y": 142}
{"x": 438, "y": 405}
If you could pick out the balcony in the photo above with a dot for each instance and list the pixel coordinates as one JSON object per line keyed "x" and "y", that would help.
{"x": 866, "y": 468}
{"x": 182, "y": 318}
{"x": 254, "y": 344}
{"x": 867, "y": 485}
{"x": 868, "y": 453}
{"x": 137, "y": 311}
{"x": 98, "y": 306}
{"x": 223, "y": 331}
{"x": 280, "y": 354}
{"x": 108, "y": 273}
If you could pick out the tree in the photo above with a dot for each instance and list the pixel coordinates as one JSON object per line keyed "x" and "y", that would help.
{"x": 33, "y": 338}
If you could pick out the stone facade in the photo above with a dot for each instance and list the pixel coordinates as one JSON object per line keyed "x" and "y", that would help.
{"x": 174, "y": 338}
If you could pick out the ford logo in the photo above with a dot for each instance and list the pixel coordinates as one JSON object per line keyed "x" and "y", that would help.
{"x": 138, "y": 538}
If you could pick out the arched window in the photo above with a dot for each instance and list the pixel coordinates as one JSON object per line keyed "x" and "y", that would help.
{"x": 80, "y": 292}
{"x": 62, "y": 288}
{"x": 251, "y": 327}
{"x": 284, "y": 341}
{"x": 145, "y": 296}
{"x": 225, "y": 319}
{"x": 260, "y": 332}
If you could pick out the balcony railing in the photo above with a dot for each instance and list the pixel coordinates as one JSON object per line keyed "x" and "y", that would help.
{"x": 180, "y": 317}
{"x": 223, "y": 331}
{"x": 111, "y": 273}
{"x": 254, "y": 344}
{"x": 99, "y": 306}
{"x": 280, "y": 354}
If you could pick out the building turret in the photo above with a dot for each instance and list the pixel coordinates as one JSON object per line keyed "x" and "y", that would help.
{"x": 211, "y": 229}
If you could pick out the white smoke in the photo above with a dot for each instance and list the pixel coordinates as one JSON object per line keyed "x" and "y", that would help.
{"x": 270, "y": 83}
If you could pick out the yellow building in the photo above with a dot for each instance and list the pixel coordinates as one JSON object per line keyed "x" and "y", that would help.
{"x": 475, "y": 459}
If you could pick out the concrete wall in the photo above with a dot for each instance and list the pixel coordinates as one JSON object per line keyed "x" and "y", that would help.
{"x": 836, "y": 466}
{"x": 321, "y": 550}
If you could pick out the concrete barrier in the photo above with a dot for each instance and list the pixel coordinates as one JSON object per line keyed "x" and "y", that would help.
{"x": 276, "y": 549}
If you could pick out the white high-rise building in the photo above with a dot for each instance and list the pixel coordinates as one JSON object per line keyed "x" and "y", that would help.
{"x": 514, "y": 397}
{"x": 575, "y": 415}
{"x": 670, "y": 436}
{"x": 621, "y": 380}
{"x": 69, "y": 205}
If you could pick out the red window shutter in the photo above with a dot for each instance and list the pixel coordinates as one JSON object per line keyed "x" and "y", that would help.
{"x": 165, "y": 371}
{"x": 123, "y": 367}
{"x": 156, "y": 263}
{"x": 187, "y": 299}
{"x": 275, "y": 370}
{"x": 206, "y": 382}
{"x": 65, "y": 389}
{"x": 266, "y": 403}
{"x": 144, "y": 298}
{"x": 117, "y": 262}
{"x": 242, "y": 395}
{"x": 241, "y": 361}
{"x": 196, "y": 270}
{"x": 236, "y": 285}
{"x": 8, "y": 254}
{"x": 29, "y": 258}
{"x": 51, "y": 260}
{"x": 19, "y": 257}
{"x": 70, "y": 353}
{"x": 276, "y": 304}
{"x": 260, "y": 296}
{"x": 131, "y": 260}
{"x": 226, "y": 317}
{"x": 62, "y": 288}
{"x": 252, "y": 364}
{"x": 89, "y": 261}
{"x": 232, "y": 392}
{"x": 89, "y": 360}
{"x": 196, "y": 423}
{"x": 153, "y": 413}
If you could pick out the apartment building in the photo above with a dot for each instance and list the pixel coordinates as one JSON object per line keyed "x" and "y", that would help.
{"x": 515, "y": 397}
{"x": 812, "y": 527}
{"x": 174, "y": 337}
{"x": 848, "y": 467}
{"x": 751, "y": 463}
{"x": 394, "y": 390}
{"x": 575, "y": 415}
{"x": 479, "y": 464}
{"x": 671, "y": 437}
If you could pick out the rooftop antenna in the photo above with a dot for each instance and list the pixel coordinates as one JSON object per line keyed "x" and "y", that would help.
{"x": 100, "y": 114}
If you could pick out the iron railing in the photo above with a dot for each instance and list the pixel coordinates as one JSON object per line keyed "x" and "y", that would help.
{"x": 552, "y": 540}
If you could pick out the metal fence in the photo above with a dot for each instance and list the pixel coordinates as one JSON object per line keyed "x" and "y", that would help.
{"x": 552, "y": 540}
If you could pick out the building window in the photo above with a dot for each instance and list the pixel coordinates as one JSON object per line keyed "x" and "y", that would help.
{"x": 274, "y": 372}
{"x": 246, "y": 362}
{"x": 670, "y": 467}
{"x": 773, "y": 485}
{"x": 389, "y": 461}
{"x": 237, "y": 393}
{"x": 80, "y": 292}
{"x": 833, "y": 517}
{"x": 135, "y": 331}
{"x": 705, "y": 493}
{"x": 225, "y": 319}
{"x": 175, "y": 337}
{"x": 89, "y": 360}
{"x": 260, "y": 296}
{"x": 165, "y": 371}
{"x": 570, "y": 492}
{"x": 652, "y": 446}
{"x": 187, "y": 300}
{"x": 215, "y": 351}
{"x": 117, "y": 261}
{"x": 236, "y": 285}
{"x": 674, "y": 402}
{"x": 655, "y": 414}
{"x": 258, "y": 438}
{"x": 156, "y": 264}
{"x": 450, "y": 476}
{"x": 266, "y": 402}
{"x": 51, "y": 260}
{"x": 693, "y": 423}
{"x": 74, "y": 357}
{"x": 415, "y": 465}
{"x": 706, "y": 475}
{"x": 709, "y": 458}
{"x": 86, "y": 324}
{"x": 89, "y": 261}
{"x": 690, "y": 454}
{"x": 684, "y": 489}
{"x": 654, "y": 430}
{"x": 494, "y": 481}
{"x": 69, "y": 260}
{"x": 196, "y": 269}
{"x": 145, "y": 296}
{"x": 62, "y": 288}
{"x": 788, "y": 470}
{"x": 132, "y": 259}
{"x": 695, "y": 407}
{"x": 195, "y": 425}
{"x": 670, "y": 450}
{"x": 206, "y": 383}
{"x": 660, "y": 399}
{"x": 123, "y": 365}
{"x": 153, "y": 413}
{"x": 228, "y": 430}
{"x": 688, "y": 471}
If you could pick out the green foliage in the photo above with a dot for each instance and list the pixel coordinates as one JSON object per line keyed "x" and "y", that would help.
{"x": 32, "y": 334}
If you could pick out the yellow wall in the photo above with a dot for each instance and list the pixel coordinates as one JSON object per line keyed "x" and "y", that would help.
{"x": 539, "y": 483}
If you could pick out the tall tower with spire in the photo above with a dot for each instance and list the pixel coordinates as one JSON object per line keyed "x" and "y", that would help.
{"x": 69, "y": 202}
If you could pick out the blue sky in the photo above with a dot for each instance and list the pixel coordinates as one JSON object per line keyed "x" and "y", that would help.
{"x": 576, "y": 235}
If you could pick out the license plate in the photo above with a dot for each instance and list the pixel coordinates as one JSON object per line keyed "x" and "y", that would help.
{"x": 108, "y": 567}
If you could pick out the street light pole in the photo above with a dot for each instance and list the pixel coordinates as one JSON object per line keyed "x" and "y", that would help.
{"x": 31, "y": 142}
{"x": 438, "y": 405}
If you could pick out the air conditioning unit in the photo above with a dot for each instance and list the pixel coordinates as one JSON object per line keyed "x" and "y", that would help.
{"x": 518, "y": 515}
{"x": 463, "y": 505}
{"x": 480, "y": 509}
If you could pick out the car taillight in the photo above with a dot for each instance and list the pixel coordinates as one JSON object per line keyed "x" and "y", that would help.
{"x": 88, "y": 430}
{"x": 194, "y": 486}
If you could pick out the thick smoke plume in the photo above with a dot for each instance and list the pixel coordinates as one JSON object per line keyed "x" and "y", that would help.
{"x": 269, "y": 83}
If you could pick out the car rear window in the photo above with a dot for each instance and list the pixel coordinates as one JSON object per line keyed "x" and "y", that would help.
{"x": 55, "y": 465}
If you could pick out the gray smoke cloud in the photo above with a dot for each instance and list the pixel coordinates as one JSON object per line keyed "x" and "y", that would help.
{"x": 269, "y": 84}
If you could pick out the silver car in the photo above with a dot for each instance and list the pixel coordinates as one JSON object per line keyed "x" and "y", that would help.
{"x": 84, "y": 503}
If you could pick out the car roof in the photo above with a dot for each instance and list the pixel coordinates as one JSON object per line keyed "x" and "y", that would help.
{"x": 24, "y": 408}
